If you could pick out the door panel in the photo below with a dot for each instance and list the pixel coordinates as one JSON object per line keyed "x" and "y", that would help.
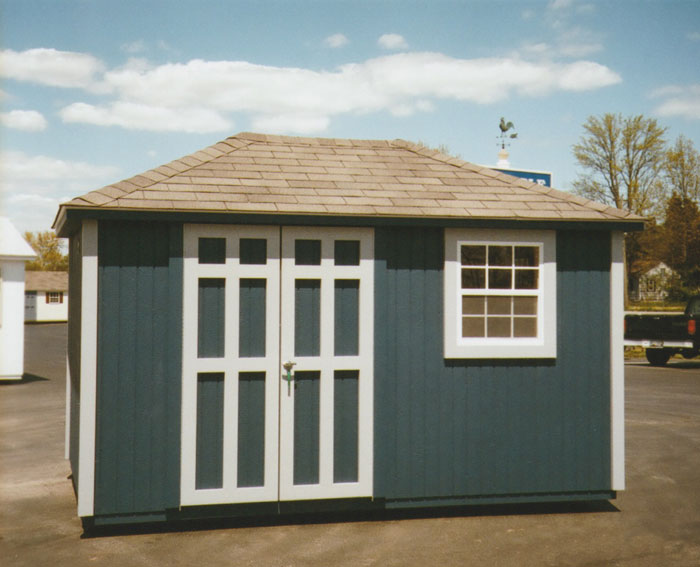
{"x": 230, "y": 365}
{"x": 327, "y": 331}
{"x": 251, "y": 432}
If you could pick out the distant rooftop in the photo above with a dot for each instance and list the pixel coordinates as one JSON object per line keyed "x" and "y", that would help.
{"x": 12, "y": 245}
{"x": 45, "y": 281}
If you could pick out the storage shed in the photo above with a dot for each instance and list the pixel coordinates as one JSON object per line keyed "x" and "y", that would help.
{"x": 45, "y": 297}
{"x": 276, "y": 324}
{"x": 14, "y": 252}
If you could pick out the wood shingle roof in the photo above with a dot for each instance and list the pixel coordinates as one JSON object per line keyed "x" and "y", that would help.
{"x": 257, "y": 173}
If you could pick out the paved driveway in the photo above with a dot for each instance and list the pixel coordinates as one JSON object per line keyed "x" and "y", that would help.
{"x": 656, "y": 521}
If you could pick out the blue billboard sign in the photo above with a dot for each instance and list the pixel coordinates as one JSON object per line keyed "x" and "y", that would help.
{"x": 539, "y": 177}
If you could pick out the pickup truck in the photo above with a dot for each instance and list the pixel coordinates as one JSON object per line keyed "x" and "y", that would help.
{"x": 663, "y": 335}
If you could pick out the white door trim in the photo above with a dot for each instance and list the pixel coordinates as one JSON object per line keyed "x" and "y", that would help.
{"x": 279, "y": 409}
{"x": 327, "y": 363}
{"x": 231, "y": 364}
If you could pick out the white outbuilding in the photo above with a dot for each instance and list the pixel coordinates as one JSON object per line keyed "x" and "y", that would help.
{"x": 46, "y": 297}
{"x": 14, "y": 252}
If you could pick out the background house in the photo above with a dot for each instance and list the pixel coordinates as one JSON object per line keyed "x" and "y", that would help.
{"x": 651, "y": 284}
{"x": 46, "y": 296}
{"x": 14, "y": 252}
{"x": 277, "y": 324}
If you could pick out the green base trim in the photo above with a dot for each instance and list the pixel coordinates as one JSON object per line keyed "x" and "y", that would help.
{"x": 324, "y": 510}
{"x": 499, "y": 499}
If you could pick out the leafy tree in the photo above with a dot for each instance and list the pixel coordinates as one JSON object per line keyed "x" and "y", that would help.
{"x": 48, "y": 248}
{"x": 682, "y": 169}
{"x": 621, "y": 159}
{"x": 682, "y": 237}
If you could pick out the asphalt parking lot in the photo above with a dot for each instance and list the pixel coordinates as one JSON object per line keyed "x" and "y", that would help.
{"x": 656, "y": 521}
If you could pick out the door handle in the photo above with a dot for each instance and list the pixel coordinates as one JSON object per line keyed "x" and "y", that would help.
{"x": 288, "y": 375}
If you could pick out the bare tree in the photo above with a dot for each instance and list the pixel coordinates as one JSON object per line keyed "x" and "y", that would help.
{"x": 682, "y": 169}
{"x": 622, "y": 159}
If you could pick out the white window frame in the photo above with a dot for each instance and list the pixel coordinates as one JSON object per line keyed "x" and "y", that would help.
{"x": 544, "y": 345}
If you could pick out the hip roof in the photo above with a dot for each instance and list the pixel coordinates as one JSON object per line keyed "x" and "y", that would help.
{"x": 258, "y": 173}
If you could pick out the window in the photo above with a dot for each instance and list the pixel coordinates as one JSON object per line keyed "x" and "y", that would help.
{"x": 500, "y": 294}
{"x": 54, "y": 297}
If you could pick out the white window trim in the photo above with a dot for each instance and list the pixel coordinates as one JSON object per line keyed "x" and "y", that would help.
{"x": 545, "y": 344}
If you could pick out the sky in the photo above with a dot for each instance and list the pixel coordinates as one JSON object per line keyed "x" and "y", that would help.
{"x": 95, "y": 91}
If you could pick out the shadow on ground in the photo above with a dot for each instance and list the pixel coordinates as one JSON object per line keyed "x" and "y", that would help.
{"x": 26, "y": 379}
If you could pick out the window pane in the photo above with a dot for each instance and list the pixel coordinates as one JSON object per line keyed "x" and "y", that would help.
{"x": 499, "y": 327}
{"x": 473, "y": 278}
{"x": 525, "y": 305}
{"x": 307, "y": 252}
{"x": 212, "y": 250}
{"x": 525, "y": 327}
{"x": 527, "y": 256}
{"x": 526, "y": 279}
{"x": 473, "y": 305}
{"x": 473, "y": 255}
{"x": 473, "y": 326}
{"x": 253, "y": 251}
{"x": 347, "y": 252}
{"x": 499, "y": 305}
{"x": 500, "y": 255}
{"x": 500, "y": 279}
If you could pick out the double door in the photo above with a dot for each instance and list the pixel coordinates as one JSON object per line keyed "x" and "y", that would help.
{"x": 277, "y": 364}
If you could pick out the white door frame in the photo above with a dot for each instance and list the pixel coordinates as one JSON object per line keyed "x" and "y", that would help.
{"x": 327, "y": 362}
{"x": 231, "y": 364}
{"x": 279, "y": 398}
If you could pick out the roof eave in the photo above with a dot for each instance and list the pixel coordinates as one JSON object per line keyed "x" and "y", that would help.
{"x": 68, "y": 217}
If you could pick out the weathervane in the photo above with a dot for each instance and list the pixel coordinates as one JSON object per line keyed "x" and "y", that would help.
{"x": 504, "y": 127}
{"x": 503, "y": 153}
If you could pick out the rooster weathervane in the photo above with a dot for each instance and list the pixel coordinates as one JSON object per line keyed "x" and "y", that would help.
{"x": 504, "y": 127}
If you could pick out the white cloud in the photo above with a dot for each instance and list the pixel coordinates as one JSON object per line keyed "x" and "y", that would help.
{"x": 137, "y": 46}
{"x": 27, "y": 120}
{"x": 140, "y": 116}
{"x": 33, "y": 185}
{"x": 683, "y": 101}
{"x": 17, "y": 166}
{"x": 198, "y": 96}
{"x": 392, "y": 41}
{"x": 298, "y": 123}
{"x": 50, "y": 67}
{"x": 336, "y": 40}
{"x": 560, "y": 4}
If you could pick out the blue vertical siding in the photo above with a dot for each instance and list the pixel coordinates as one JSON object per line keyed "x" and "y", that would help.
{"x": 307, "y": 395}
{"x": 252, "y": 317}
{"x": 251, "y": 429}
{"x": 461, "y": 428}
{"x": 307, "y": 316}
{"x": 139, "y": 367}
{"x": 209, "y": 455}
{"x": 345, "y": 425}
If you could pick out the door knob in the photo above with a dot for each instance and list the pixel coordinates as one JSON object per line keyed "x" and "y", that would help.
{"x": 288, "y": 375}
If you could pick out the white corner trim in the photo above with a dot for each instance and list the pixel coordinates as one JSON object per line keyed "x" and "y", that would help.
{"x": 88, "y": 370}
{"x": 617, "y": 363}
